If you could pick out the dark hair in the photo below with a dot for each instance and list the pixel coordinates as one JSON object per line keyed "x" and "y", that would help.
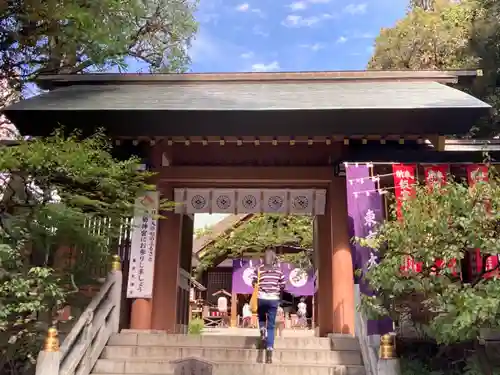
{"x": 271, "y": 252}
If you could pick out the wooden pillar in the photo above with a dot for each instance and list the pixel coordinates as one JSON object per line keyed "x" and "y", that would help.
{"x": 316, "y": 269}
{"x": 335, "y": 296}
{"x": 325, "y": 278}
{"x": 314, "y": 312}
{"x": 164, "y": 309}
{"x": 342, "y": 266}
{"x": 234, "y": 310}
{"x": 160, "y": 311}
{"x": 140, "y": 314}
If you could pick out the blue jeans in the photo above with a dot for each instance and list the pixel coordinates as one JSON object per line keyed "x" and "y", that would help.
{"x": 267, "y": 309}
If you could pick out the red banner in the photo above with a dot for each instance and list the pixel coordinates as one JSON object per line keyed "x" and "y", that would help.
{"x": 404, "y": 184}
{"x": 404, "y": 188}
{"x": 475, "y": 174}
{"x": 436, "y": 175}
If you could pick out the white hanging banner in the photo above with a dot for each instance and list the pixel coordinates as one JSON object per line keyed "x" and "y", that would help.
{"x": 275, "y": 201}
{"x": 301, "y": 202}
{"x": 249, "y": 201}
{"x": 319, "y": 202}
{"x": 143, "y": 247}
{"x": 180, "y": 202}
{"x": 223, "y": 201}
{"x": 198, "y": 201}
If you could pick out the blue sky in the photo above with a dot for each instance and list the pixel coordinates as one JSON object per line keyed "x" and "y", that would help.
{"x": 280, "y": 35}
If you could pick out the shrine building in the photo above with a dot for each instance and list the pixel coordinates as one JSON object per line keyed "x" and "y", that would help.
{"x": 244, "y": 143}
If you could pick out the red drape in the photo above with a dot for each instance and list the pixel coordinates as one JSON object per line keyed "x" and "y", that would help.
{"x": 436, "y": 175}
{"x": 477, "y": 173}
{"x": 404, "y": 188}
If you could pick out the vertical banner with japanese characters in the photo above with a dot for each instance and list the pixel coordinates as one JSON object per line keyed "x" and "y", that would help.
{"x": 365, "y": 209}
{"x": 142, "y": 252}
{"x": 479, "y": 173}
{"x": 436, "y": 176}
{"x": 404, "y": 184}
{"x": 404, "y": 188}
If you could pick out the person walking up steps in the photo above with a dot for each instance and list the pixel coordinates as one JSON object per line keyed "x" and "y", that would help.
{"x": 271, "y": 282}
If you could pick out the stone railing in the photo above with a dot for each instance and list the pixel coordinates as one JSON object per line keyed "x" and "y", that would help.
{"x": 90, "y": 334}
{"x": 378, "y": 353}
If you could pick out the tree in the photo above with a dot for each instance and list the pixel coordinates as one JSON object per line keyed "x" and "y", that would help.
{"x": 261, "y": 232}
{"x": 447, "y": 35}
{"x": 54, "y": 190}
{"x": 424, "y": 4}
{"x": 73, "y": 36}
{"x": 428, "y": 40}
{"x": 442, "y": 224}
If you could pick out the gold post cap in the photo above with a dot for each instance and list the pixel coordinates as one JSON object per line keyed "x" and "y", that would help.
{"x": 51, "y": 341}
{"x": 116, "y": 264}
{"x": 387, "y": 347}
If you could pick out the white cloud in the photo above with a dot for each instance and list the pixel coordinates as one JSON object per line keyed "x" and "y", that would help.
{"x": 298, "y": 5}
{"x": 211, "y": 18}
{"x": 341, "y": 40}
{"x": 243, "y": 7}
{"x": 208, "y": 11}
{"x": 356, "y": 8}
{"x": 304, "y": 4}
{"x": 328, "y": 16}
{"x": 313, "y": 47}
{"x": 211, "y": 51}
{"x": 258, "y": 11}
{"x": 247, "y": 55}
{"x": 364, "y": 36}
{"x": 261, "y": 67}
{"x": 257, "y": 30}
{"x": 294, "y": 20}
{"x": 204, "y": 47}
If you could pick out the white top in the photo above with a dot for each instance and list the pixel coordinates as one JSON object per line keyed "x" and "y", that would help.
{"x": 302, "y": 308}
{"x": 247, "y": 313}
{"x": 222, "y": 304}
{"x": 280, "y": 314}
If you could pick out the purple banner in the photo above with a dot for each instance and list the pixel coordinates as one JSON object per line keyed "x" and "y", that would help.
{"x": 364, "y": 205}
{"x": 242, "y": 273}
{"x": 298, "y": 282}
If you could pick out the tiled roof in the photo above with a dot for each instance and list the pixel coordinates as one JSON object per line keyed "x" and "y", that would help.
{"x": 252, "y": 96}
{"x": 218, "y": 229}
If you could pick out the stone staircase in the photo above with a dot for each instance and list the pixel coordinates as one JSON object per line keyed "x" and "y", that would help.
{"x": 130, "y": 353}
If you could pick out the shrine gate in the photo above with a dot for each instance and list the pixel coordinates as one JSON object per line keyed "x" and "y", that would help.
{"x": 281, "y": 132}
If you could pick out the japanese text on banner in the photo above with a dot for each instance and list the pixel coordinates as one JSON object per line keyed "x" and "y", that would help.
{"x": 436, "y": 175}
{"x": 479, "y": 173}
{"x": 404, "y": 184}
{"x": 404, "y": 188}
{"x": 142, "y": 253}
{"x": 365, "y": 212}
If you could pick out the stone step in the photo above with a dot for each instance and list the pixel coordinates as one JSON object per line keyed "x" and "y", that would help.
{"x": 157, "y": 367}
{"x": 301, "y": 356}
{"x": 338, "y": 343}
